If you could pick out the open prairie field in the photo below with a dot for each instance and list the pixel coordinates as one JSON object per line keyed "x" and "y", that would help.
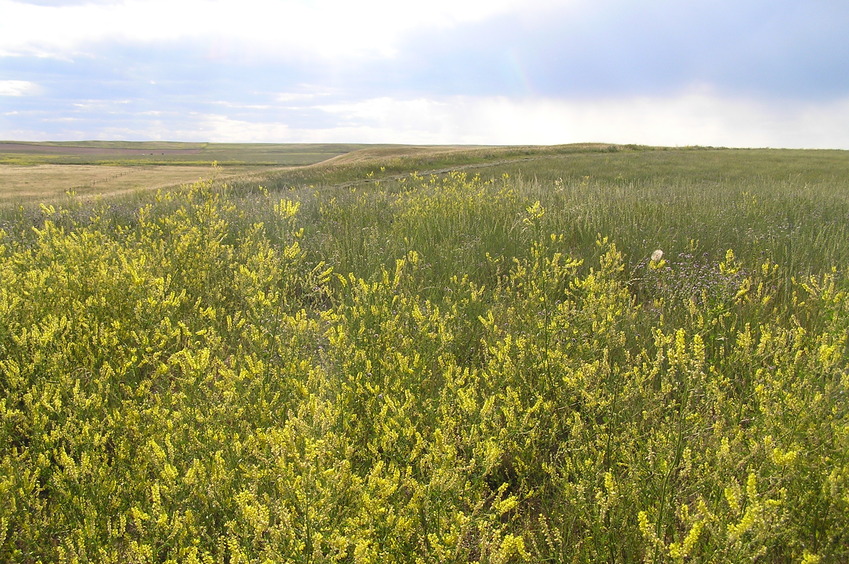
{"x": 46, "y": 182}
{"x": 431, "y": 354}
{"x": 46, "y": 171}
{"x": 165, "y": 153}
{"x": 43, "y": 171}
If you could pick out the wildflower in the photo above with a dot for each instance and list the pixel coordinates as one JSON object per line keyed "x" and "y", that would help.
{"x": 656, "y": 255}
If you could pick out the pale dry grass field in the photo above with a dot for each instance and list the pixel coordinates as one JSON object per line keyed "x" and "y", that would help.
{"x": 48, "y": 181}
{"x": 45, "y": 171}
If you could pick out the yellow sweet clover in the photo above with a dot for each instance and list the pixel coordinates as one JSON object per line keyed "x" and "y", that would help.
{"x": 438, "y": 370}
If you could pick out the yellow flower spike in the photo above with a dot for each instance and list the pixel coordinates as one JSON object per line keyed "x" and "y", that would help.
{"x": 752, "y": 486}
{"x": 782, "y": 458}
{"x": 681, "y": 551}
{"x": 287, "y": 209}
{"x": 810, "y": 558}
{"x": 506, "y": 505}
{"x": 731, "y": 497}
{"x": 729, "y": 265}
{"x": 512, "y": 548}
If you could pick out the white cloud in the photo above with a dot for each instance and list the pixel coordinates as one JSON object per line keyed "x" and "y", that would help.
{"x": 18, "y": 88}
{"x": 690, "y": 118}
{"x": 304, "y": 93}
{"x": 102, "y": 106}
{"x": 240, "y": 106}
{"x": 699, "y": 116}
{"x": 325, "y": 29}
{"x": 221, "y": 129}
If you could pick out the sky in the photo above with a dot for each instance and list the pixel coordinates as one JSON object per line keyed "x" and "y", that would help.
{"x": 734, "y": 73}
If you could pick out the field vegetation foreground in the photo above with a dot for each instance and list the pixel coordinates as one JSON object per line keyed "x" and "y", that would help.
{"x": 425, "y": 356}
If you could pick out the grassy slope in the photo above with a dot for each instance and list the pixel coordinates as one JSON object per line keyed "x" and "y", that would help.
{"x": 353, "y": 363}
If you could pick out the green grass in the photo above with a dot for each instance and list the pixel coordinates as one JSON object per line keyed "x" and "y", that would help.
{"x": 352, "y": 362}
{"x": 786, "y": 206}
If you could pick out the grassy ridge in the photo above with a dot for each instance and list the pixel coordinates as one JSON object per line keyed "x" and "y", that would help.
{"x": 450, "y": 367}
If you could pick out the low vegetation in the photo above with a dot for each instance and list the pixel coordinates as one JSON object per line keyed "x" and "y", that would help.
{"x": 37, "y": 172}
{"x": 489, "y": 364}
